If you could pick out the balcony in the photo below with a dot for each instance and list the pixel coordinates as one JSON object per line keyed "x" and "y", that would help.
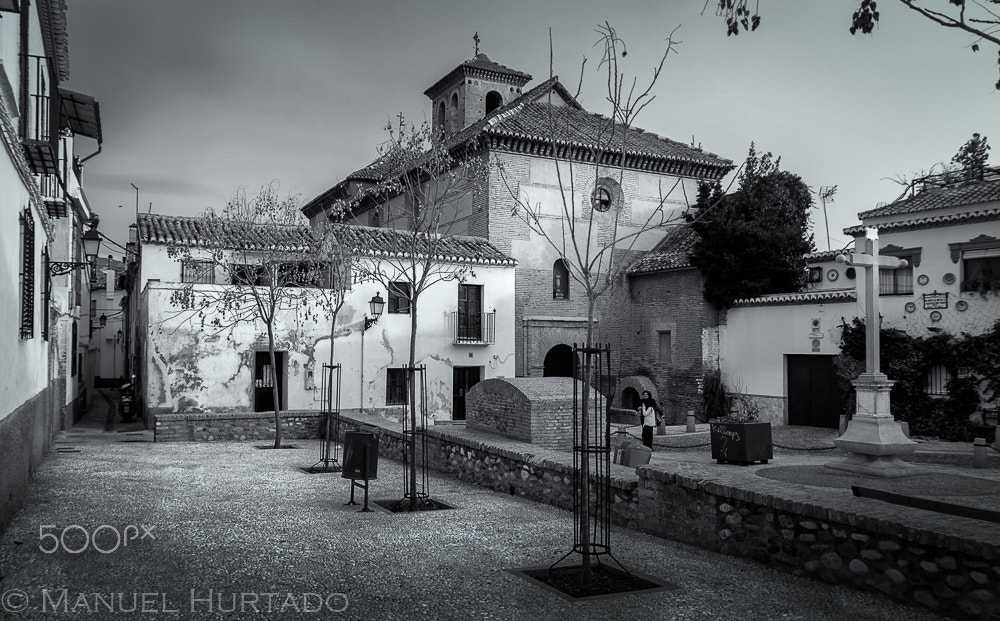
{"x": 472, "y": 329}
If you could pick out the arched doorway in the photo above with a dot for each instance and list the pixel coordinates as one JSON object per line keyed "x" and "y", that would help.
{"x": 559, "y": 362}
{"x": 630, "y": 398}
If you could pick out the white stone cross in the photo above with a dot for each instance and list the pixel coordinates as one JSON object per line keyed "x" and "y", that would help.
{"x": 866, "y": 256}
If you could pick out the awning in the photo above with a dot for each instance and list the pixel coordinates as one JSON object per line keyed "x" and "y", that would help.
{"x": 81, "y": 114}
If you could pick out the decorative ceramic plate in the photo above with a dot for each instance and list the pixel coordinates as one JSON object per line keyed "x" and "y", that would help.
{"x": 922, "y": 279}
{"x": 961, "y": 305}
{"x": 832, "y": 275}
{"x": 936, "y": 316}
{"x": 949, "y": 278}
{"x": 910, "y": 307}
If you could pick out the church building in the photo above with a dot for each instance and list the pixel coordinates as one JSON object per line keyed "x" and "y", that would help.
{"x": 544, "y": 151}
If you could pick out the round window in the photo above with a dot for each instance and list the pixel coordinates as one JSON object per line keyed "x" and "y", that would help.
{"x": 600, "y": 199}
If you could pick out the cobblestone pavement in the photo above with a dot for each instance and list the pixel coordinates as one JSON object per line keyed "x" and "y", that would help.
{"x": 228, "y": 531}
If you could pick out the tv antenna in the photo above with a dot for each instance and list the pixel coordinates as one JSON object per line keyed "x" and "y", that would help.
{"x": 826, "y": 193}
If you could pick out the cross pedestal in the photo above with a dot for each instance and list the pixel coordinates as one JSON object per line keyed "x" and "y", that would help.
{"x": 873, "y": 439}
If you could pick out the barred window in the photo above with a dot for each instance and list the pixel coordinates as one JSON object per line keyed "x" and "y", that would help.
{"x": 27, "y": 275}
{"x": 395, "y": 386}
{"x": 198, "y": 272}
{"x": 898, "y": 281}
{"x": 937, "y": 380}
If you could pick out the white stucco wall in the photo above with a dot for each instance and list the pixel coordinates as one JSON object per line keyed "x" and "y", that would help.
{"x": 191, "y": 368}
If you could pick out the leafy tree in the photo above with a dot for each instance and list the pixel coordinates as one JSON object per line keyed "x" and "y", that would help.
{"x": 975, "y": 17}
{"x": 972, "y": 157}
{"x": 269, "y": 263}
{"x": 752, "y": 241}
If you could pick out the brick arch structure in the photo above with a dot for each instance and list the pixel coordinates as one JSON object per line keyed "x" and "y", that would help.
{"x": 636, "y": 384}
{"x": 532, "y": 409}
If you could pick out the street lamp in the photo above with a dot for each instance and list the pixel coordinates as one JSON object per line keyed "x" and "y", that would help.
{"x": 375, "y": 305}
{"x": 91, "y": 248}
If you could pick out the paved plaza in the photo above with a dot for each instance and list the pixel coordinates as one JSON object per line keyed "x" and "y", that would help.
{"x": 228, "y": 531}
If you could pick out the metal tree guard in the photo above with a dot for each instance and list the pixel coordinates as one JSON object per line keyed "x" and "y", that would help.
{"x": 415, "y": 483}
{"x": 591, "y": 461}
{"x": 330, "y": 406}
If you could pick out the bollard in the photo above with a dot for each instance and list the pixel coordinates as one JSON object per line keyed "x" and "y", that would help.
{"x": 979, "y": 453}
{"x": 690, "y": 421}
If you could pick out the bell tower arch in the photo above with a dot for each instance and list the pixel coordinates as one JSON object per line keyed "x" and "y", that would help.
{"x": 470, "y": 91}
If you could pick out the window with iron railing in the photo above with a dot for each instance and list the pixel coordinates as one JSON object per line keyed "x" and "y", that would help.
{"x": 395, "y": 386}
{"x": 470, "y": 325}
{"x": 27, "y": 275}
{"x": 937, "y": 381}
{"x": 39, "y": 101}
{"x": 198, "y": 272}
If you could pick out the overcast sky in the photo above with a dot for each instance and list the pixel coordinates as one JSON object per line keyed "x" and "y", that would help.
{"x": 200, "y": 97}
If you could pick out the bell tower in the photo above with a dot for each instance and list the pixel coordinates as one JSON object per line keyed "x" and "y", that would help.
{"x": 471, "y": 91}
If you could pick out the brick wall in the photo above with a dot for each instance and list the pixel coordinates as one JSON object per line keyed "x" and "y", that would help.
{"x": 234, "y": 426}
{"x": 537, "y": 410}
{"x": 668, "y": 301}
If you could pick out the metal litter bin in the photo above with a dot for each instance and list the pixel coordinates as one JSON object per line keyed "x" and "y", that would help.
{"x": 360, "y": 455}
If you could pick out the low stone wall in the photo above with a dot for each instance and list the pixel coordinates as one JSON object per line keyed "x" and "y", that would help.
{"x": 948, "y": 574}
{"x": 957, "y": 575}
{"x": 234, "y": 426}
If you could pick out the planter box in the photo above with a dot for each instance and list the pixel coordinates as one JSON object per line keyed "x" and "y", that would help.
{"x": 741, "y": 443}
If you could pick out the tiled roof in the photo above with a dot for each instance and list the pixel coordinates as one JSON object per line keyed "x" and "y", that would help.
{"x": 219, "y": 233}
{"x": 929, "y": 221}
{"x": 480, "y": 64}
{"x": 389, "y": 242}
{"x": 941, "y": 192}
{"x": 672, "y": 252}
{"x": 803, "y": 297}
{"x": 362, "y": 240}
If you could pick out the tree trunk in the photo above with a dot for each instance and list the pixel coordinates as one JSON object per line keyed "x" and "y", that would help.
{"x": 412, "y": 397}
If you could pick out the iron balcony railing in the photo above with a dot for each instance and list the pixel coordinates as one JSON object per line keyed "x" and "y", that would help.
{"x": 472, "y": 328}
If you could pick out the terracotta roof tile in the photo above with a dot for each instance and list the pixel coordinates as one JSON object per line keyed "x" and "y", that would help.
{"x": 672, "y": 252}
{"x": 941, "y": 192}
{"x": 363, "y": 240}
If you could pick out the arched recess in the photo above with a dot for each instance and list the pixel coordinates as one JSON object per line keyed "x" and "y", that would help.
{"x": 453, "y": 113}
{"x": 493, "y": 101}
{"x": 441, "y": 118}
{"x": 560, "y": 280}
{"x": 559, "y": 362}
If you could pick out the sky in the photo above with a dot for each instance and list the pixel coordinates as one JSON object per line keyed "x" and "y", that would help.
{"x": 199, "y": 98}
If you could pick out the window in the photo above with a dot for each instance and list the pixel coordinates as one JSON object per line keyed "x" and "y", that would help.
{"x": 605, "y": 195}
{"x": 304, "y": 274}
{"x": 27, "y": 275}
{"x": 898, "y": 281}
{"x": 937, "y": 381}
{"x": 981, "y": 270}
{"x": 243, "y": 274}
{"x": 198, "y": 272}
{"x": 399, "y": 298}
{"x": 470, "y": 312}
{"x": 493, "y": 101}
{"x": 374, "y": 218}
{"x": 395, "y": 386}
{"x": 666, "y": 346}
{"x": 560, "y": 280}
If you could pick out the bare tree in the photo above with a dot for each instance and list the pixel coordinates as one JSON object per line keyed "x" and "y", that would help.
{"x": 270, "y": 265}
{"x": 428, "y": 182}
{"x": 594, "y": 239}
{"x": 974, "y": 17}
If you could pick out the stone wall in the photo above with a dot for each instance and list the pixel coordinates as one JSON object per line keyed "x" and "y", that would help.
{"x": 234, "y": 426}
{"x": 900, "y": 557}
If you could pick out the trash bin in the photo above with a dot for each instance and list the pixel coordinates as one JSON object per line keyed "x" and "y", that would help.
{"x": 360, "y": 455}
{"x": 636, "y": 455}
